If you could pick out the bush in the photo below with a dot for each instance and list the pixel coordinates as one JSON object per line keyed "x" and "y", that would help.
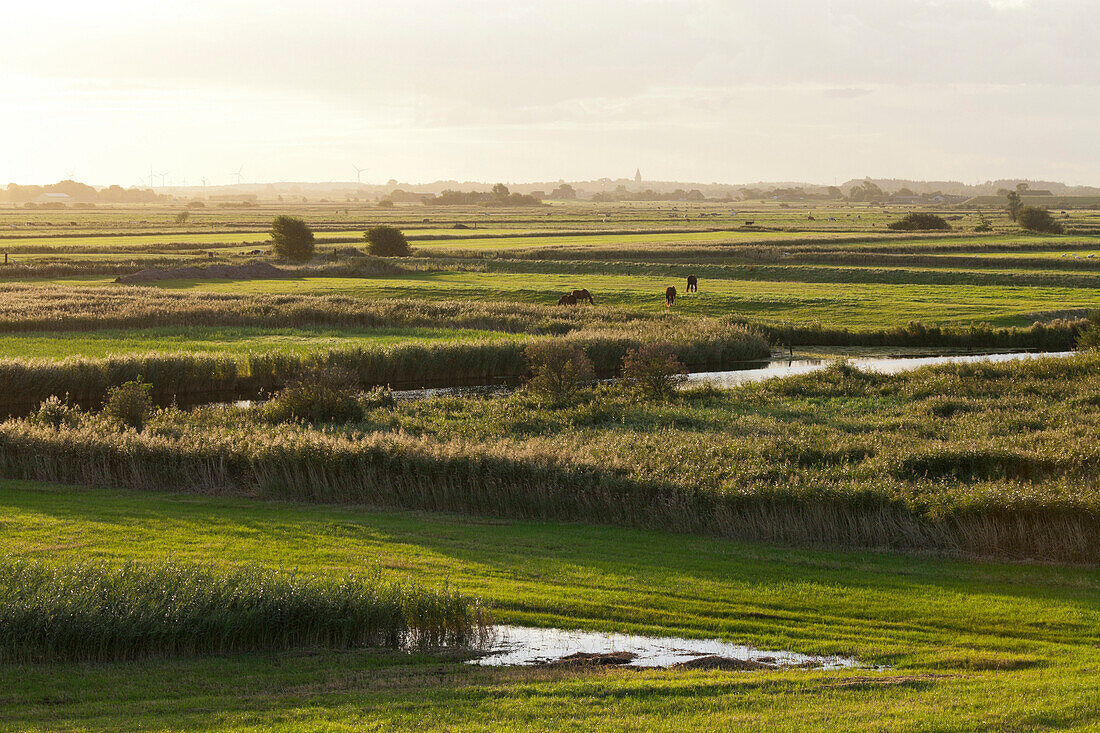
{"x": 983, "y": 225}
{"x": 558, "y": 369}
{"x": 129, "y": 404}
{"x": 293, "y": 239}
{"x": 328, "y": 394}
{"x": 57, "y": 413}
{"x": 917, "y": 221}
{"x": 653, "y": 370}
{"x": 1036, "y": 219}
{"x": 386, "y": 241}
{"x": 1090, "y": 336}
{"x": 378, "y": 398}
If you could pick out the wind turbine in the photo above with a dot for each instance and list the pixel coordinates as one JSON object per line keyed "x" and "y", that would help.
{"x": 162, "y": 175}
{"x": 358, "y": 173}
{"x": 204, "y": 186}
{"x": 240, "y": 178}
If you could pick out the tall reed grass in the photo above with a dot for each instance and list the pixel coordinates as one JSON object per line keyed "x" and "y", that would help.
{"x": 192, "y": 378}
{"x": 988, "y": 460}
{"x": 95, "y": 611}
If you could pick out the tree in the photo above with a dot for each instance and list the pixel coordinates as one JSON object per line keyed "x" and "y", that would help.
{"x": 293, "y": 239}
{"x": 916, "y": 221}
{"x": 183, "y": 216}
{"x": 500, "y": 191}
{"x": 1036, "y": 219}
{"x": 384, "y": 241}
{"x": 564, "y": 191}
{"x": 1014, "y": 204}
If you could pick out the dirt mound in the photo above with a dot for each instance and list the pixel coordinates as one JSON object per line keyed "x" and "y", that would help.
{"x": 724, "y": 663}
{"x": 251, "y": 271}
{"x": 588, "y": 659}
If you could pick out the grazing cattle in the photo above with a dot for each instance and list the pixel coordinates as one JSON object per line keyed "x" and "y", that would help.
{"x": 567, "y": 300}
{"x": 750, "y": 223}
{"x": 670, "y": 296}
{"x": 693, "y": 284}
{"x": 583, "y": 294}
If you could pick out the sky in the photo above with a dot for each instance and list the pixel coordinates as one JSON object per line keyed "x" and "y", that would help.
{"x": 419, "y": 90}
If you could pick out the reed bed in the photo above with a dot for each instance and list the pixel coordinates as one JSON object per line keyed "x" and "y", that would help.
{"x": 95, "y": 611}
{"x": 197, "y": 377}
{"x": 1056, "y": 334}
{"x": 70, "y": 308}
{"x": 984, "y": 460}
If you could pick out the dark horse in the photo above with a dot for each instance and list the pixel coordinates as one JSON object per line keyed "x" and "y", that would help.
{"x": 693, "y": 284}
{"x": 582, "y": 295}
{"x": 670, "y": 296}
{"x": 567, "y": 300}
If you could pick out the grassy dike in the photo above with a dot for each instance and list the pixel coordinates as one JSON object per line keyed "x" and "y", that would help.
{"x": 969, "y": 646}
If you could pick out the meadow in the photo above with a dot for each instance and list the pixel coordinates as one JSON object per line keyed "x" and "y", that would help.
{"x": 967, "y": 646}
{"x": 277, "y": 566}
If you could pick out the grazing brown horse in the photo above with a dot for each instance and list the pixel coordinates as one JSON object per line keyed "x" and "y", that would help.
{"x": 693, "y": 284}
{"x": 567, "y": 300}
{"x": 583, "y": 294}
{"x": 670, "y": 296}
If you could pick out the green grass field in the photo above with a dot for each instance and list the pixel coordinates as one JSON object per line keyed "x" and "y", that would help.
{"x": 243, "y": 340}
{"x": 846, "y": 304}
{"x": 966, "y": 456}
{"x": 969, "y": 646}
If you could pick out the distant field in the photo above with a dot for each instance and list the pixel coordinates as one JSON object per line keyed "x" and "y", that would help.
{"x": 847, "y": 304}
{"x": 60, "y": 344}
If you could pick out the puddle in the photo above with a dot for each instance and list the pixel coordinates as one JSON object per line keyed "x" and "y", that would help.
{"x": 526, "y": 646}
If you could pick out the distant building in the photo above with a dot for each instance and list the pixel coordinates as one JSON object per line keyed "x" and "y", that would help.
{"x": 638, "y": 175}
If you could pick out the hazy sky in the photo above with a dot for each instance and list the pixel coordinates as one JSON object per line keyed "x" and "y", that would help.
{"x": 700, "y": 90}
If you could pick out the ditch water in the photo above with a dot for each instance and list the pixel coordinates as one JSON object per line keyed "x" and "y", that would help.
{"x": 526, "y": 646}
{"x": 758, "y": 371}
{"x": 882, "y": 364}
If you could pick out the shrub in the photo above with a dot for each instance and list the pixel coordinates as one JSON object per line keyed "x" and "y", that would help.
{"x": 1090, "y": 336}
{"x": 386, "y": 204}
{"x": 293, "y": 239}
{"x": 386, "y": 241}
{"x": 378, "y": 398}
{"x": 57, "y": 413}
{"x": 558, "y": 369}
{"x": 653, "y": 370}
{"x": 328, "y": 394}
{"x": 1036, "y": 219}
{"x": 915, "y": 221}
{"x": 129, "y": 404}
{"x": 983, "y": 225}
